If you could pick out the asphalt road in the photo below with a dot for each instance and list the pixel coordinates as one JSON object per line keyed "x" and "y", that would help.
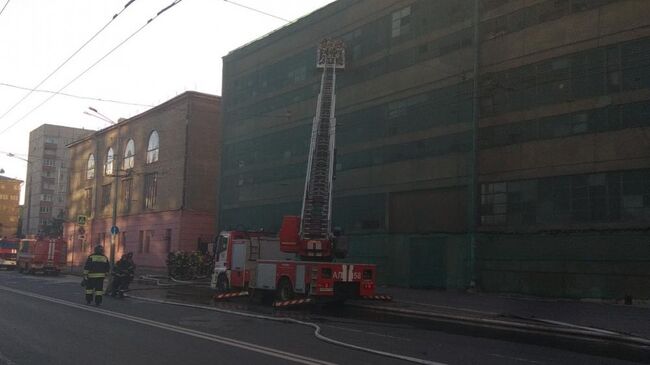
{"x": 43, "y": 320}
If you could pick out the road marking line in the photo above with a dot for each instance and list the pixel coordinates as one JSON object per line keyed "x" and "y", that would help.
{"x": 447, "y": 307}
{"x": 186, "y": 331}
{"x": 517, "y": 359}
{"x": 367, "y": 332}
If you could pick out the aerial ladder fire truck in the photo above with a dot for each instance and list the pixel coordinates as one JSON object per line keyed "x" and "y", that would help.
{"x": 299, "y": 265}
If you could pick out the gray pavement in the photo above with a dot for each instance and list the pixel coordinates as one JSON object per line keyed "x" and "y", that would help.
{"x": 57, "y": 329}
{"x": 630, "y": 319}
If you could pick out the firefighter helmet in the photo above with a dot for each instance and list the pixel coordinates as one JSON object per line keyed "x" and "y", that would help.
{"x": 99, "y": 249}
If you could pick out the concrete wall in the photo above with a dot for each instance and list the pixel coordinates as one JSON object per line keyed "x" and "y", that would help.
{"x": 572, "y": 265}
{"x": 48, "y": 143}
{"x": 419, "y": 261}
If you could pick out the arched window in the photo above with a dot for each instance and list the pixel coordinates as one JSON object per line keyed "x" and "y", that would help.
{"x": 153, "y": 147}
{"x": 108, "y": 166}
{"x": 90, "y": 171}
{"x": 129, "y": 152}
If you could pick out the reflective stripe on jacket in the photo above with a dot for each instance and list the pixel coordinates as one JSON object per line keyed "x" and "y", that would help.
{"x": 97, "y": 266}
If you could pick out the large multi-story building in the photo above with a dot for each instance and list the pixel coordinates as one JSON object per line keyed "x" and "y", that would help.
{"x": 156, "y": 173}
{"x": 533, "y": 177}
{"x": 48, "y": 162}
{"x": 9, "y": 206}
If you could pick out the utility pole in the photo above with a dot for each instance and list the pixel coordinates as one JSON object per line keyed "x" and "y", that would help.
{"x": 114, "y": 230}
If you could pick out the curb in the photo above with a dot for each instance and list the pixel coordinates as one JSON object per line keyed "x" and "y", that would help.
{"x": 552, "y": 332}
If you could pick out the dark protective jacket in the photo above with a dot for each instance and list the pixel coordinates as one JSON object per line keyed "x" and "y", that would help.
{"x": 124, "y": 267}
{"x": 97, "y": 266}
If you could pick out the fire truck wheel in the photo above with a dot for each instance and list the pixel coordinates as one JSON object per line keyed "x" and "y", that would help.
{"x": 285, "y": 290}
{"x": 222, "y": 283}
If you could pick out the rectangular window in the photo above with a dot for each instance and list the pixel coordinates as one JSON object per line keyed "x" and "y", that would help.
{"x": 127, "y": 189}
{"x": 106, "y": 195}
{"x": 88, "y": 200}
{"x": 147, "y": 240}
{"x": 401, "y": 23}
{"x": 141, "y": 242}
{"x": 48, "y": 162}
{"x": 122, "y": 242}
{"x": 150, "y": 190}
{"x": 589, "y": 198}
{"x": 168, "y": 240}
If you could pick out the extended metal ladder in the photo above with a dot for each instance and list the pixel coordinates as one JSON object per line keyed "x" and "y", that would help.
{"x": 315, "y": 223}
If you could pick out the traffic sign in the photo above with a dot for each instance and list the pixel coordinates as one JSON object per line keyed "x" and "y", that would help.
{"x": 81, "y": 220}
{"x": 115, "y": 230}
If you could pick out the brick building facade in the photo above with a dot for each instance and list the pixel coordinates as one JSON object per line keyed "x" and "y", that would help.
{"x": 158, "y": 171}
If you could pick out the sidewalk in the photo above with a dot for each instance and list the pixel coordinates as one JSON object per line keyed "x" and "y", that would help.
{"x": 625, "y": 319}
{"x": 633, "y": 320}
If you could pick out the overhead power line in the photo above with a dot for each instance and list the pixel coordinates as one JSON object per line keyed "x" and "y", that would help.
{"x": 74, "y": 96}
{"x": 92, "y": 65}
{"x": 3, "y": 8}
{"x": 258, "y": 11}
{"x": 66, "y": 60}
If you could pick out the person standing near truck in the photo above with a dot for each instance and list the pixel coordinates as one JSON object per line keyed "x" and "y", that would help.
{"x": 95, "y": 271}
{"x": 123, "y": 273}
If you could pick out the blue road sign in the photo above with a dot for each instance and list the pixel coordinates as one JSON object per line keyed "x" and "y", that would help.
{"x": 115, "y": 230}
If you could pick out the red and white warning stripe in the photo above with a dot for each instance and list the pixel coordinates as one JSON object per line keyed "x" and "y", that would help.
{"x": 378, "y": 297}
{"x": 288, "y": 303}
{"x": 230, "y": 295}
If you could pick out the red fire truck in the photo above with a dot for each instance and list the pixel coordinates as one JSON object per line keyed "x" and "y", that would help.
{"x": 301, "y": 261}
{"x": 255, "y": 260}
{"x": 41, "y": 254}
{"x": 8, "y": 250}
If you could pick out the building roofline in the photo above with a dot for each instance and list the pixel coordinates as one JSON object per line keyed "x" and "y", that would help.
{"x": 295, "y": 26}
{"x": 10, "y": 178}
{"x": 184, "y": 95}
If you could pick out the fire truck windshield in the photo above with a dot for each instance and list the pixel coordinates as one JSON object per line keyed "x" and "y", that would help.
{"x": 8, "y": 245}
{"x": 221, "y": 246}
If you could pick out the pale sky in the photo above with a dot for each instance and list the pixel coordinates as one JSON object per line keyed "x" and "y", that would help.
{"x": 181, "y": 50}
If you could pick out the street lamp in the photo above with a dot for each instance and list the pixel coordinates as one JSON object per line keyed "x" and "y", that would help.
{"x": 101, "y": 116}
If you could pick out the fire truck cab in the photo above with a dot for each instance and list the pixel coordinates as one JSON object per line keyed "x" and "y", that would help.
{"x": 254, "y": 260}
{"x": 8, "y": 251}
{"x": 41, "y": 255}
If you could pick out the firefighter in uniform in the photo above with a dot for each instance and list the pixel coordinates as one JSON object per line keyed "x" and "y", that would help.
{"x": 123, "y": 273}
{"x": 95, "y": 271}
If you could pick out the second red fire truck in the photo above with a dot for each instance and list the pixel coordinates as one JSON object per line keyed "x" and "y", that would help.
{"x": 41, "y": 254}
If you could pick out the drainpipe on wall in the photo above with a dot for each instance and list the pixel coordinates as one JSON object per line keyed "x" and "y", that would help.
{"x": 188, "y": 115}
{"x": 473, "y": 181}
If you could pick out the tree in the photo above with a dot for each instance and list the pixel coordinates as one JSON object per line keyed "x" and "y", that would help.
{"x": 54, "y": 228}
